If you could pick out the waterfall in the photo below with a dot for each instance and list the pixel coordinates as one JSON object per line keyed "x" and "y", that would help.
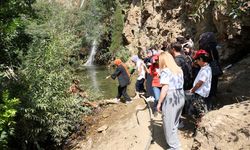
{"x": 92, "y": 55}
{"x": 82, "y": 3}
{"x": 93, "y": 77}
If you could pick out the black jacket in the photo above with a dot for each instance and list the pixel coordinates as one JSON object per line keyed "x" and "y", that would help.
{"x": 122, "y": 75}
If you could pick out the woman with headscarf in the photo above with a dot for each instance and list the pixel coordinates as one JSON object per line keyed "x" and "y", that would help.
{"x": 172, "y": 98}
{"x": 123, "y": 76}
{"x": 140, "y": 67}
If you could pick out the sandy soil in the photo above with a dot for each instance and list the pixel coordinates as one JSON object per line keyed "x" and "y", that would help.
{"x": 124, "y": 133}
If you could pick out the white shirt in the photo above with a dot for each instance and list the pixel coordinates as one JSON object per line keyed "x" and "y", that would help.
{"x": 140, "y": 64}
{"x": 174, "y": 81}
{"x": 205, "y": 75}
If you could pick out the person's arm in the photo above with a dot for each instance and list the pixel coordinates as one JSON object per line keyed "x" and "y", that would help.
{"x": 202, "y": 78}
{"x": 140, "y": 68}
{"x": 197, "y": 86}
{"x": 116, "y": 73}
{"x": 163, "y": 94}
{"x": 146, "y": 69}
{"x": 164, "y": 80}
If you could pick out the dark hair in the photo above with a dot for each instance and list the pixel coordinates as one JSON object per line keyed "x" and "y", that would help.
{"x": 204, "y": 57}
{"x": 188, "y": 37}
{"x": 165, "y": 46}
{"x": 177, "y": 46}
{"x": 180, "y": 39}
{"x": 186, "y": 46}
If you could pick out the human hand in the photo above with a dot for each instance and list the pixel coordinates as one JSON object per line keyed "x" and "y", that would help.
{"x": 159, "y": 107}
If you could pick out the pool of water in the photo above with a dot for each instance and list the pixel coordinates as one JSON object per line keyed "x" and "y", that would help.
{"x": 94, "y": 78}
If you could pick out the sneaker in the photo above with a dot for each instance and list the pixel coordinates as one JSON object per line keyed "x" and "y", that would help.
{"x": 127, "y": 102}
{"x": 150, "y": 99}
{"x": 117, "y": 100}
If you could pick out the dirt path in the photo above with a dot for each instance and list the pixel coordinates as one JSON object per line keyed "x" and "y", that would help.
{"x": 124, "y": 133}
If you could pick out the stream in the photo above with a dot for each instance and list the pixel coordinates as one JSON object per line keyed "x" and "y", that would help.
{"x": 93, "y": 77}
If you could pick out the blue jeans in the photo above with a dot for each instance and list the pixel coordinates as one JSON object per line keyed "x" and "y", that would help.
{"x": 157, "y": 92}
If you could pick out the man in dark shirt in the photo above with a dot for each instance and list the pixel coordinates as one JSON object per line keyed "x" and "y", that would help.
{"x": 181, "y": 61}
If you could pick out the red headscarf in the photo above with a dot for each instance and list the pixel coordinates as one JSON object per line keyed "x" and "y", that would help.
{"x": 117, "y": 62}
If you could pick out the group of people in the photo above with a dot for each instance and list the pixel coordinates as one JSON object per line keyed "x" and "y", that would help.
{"x": 170, "y": 72}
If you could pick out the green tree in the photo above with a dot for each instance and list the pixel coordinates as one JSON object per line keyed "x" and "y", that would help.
{"x": 13, "y": 40}
{"x": 8, "y": 109}
{"x": 47, "y": 112}
{"x": 117, "y": 28}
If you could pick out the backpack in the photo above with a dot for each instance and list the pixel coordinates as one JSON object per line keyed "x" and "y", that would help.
{"x": 185, "y": 62}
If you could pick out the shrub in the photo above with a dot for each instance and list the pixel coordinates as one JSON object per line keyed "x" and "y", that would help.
{"x": 48, "y": 113}
{"x": 7, "y": 113}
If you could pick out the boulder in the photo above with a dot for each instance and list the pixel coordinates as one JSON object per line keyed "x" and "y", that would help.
{"x": 226, "y": 128}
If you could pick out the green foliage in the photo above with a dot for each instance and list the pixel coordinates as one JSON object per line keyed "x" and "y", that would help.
{"x": 235, "y": 8}
{"x": 7, "y": 113}
{"x": 239, "y": 8}
{"x": 13, "y": 40}
{"x": 123, "y": 54}
{"x": 48, "y": 112}
{"x": 200, "y": 7}
{"x": 94, "y": 16}
{"x": 117, "y": 28}
{"x": 38, "y": 49}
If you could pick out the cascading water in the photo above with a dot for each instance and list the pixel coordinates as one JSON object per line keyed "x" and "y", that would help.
{"x": 92, "y": 55}
{"x": 91, "y": 69}
{"x": 82, "y": 3}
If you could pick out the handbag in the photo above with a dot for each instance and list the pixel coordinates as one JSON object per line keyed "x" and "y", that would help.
{"x": 215, "y": 66}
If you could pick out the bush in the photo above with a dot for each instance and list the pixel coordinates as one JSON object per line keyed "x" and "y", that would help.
{"x": 7, "y": 113}
{"x": 48, "y": 113}
{"x": 124, "y": 54}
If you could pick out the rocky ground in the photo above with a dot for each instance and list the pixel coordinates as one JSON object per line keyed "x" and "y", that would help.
{"x": 115, "y": 127}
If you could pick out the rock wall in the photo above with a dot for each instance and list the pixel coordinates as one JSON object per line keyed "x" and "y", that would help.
{"x": 150, "y": 22}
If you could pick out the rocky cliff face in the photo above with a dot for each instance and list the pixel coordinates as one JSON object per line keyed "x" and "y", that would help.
{"x": 151, "y": 22}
